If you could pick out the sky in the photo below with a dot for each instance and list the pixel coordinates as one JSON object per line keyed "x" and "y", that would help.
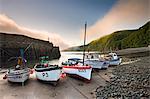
{"x": 62, "y": 21}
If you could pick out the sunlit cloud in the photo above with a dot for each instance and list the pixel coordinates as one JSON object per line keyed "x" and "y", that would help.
{"x": 125, "y": 14}
{"x": 10, "y": 26}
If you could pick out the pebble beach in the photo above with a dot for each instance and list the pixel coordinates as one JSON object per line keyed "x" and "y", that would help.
{"x": 130, "y": 81}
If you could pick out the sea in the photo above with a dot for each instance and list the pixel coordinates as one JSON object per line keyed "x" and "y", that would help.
{"x": 66, "y": 55}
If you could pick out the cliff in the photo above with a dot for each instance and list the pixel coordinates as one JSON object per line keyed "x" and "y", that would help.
{"x": 10, "y": 45}
{"x": 119, "y": 40}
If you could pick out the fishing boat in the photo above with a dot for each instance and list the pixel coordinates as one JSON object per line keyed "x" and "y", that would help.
{"x": 81, "y": 71}
{"x": 44, "y": 71}
{"x": 71, "y": 61}
{"x": 18, "y": 73}
{"x": 113, "y": 59}
{"x": 74, "y": 67}
{"x": 96, "y": 63}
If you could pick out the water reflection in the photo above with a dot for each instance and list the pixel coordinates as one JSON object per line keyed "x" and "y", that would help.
{"x": 65, "y": 56}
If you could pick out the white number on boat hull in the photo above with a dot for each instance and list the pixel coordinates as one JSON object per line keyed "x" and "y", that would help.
{"x": 82, "y": 70}
{"x": 45, "y": 74}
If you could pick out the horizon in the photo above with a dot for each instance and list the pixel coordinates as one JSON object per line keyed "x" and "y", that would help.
{"x": 63, "y": 22}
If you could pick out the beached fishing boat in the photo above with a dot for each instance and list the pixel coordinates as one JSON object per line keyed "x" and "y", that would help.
{"x": 72, "y": 61}
{"x": 113, "y": 59}
{"x": 46, "y": 72}
{"x": 74, "y": 67}
{"x": 19, "y": 73}
{"x": 79, "y": 70}
{"x": 95, "y": 62}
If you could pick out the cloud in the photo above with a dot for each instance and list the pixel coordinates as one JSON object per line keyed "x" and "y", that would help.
{"x": 10, "y": 26}
{"x": 125, "y": 14}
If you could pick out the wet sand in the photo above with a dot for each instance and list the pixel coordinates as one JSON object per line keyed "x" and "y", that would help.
{"x": 68, "y": 88}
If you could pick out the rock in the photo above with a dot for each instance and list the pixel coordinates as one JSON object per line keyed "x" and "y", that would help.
{"x": 130, "y": 81}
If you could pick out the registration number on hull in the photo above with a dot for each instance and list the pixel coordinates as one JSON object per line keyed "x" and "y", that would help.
{"x": 82, "y": 70}
{"x": 45, "y": 74}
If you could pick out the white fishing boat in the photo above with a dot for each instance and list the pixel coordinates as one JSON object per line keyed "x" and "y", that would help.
{"x": 76, "y": 68}
{"x": 46, "y": 72}
{"x": 19, "y": 73}
{"x": 72, "y": 61}
{"x": 79, "y": 70}
{"x": 113, "y": 59}
{"x": 95, "y": 62}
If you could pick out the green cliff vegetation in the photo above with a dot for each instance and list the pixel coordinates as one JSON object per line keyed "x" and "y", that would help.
{"x": 121, "y": 40}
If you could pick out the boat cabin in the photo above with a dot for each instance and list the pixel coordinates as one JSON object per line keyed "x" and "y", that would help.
{"x": 113, "y": 56}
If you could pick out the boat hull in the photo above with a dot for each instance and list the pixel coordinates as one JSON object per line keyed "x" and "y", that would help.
{"x": 82, "y": 71}
{"x": 115, "y": 62}
{"x": 97, "y": 64}
{"x": 105, "y": 65}
{"x": 48, "y": 75}
{"x": 18, "y": 75}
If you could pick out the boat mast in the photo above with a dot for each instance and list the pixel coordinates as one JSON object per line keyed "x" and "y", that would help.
{"x": 84, "y": 42}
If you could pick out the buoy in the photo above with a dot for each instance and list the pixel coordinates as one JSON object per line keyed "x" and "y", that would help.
{"x": 31, "y": 71}
{"x": 63, "y": 75}
{"x": 5, "y": 77}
